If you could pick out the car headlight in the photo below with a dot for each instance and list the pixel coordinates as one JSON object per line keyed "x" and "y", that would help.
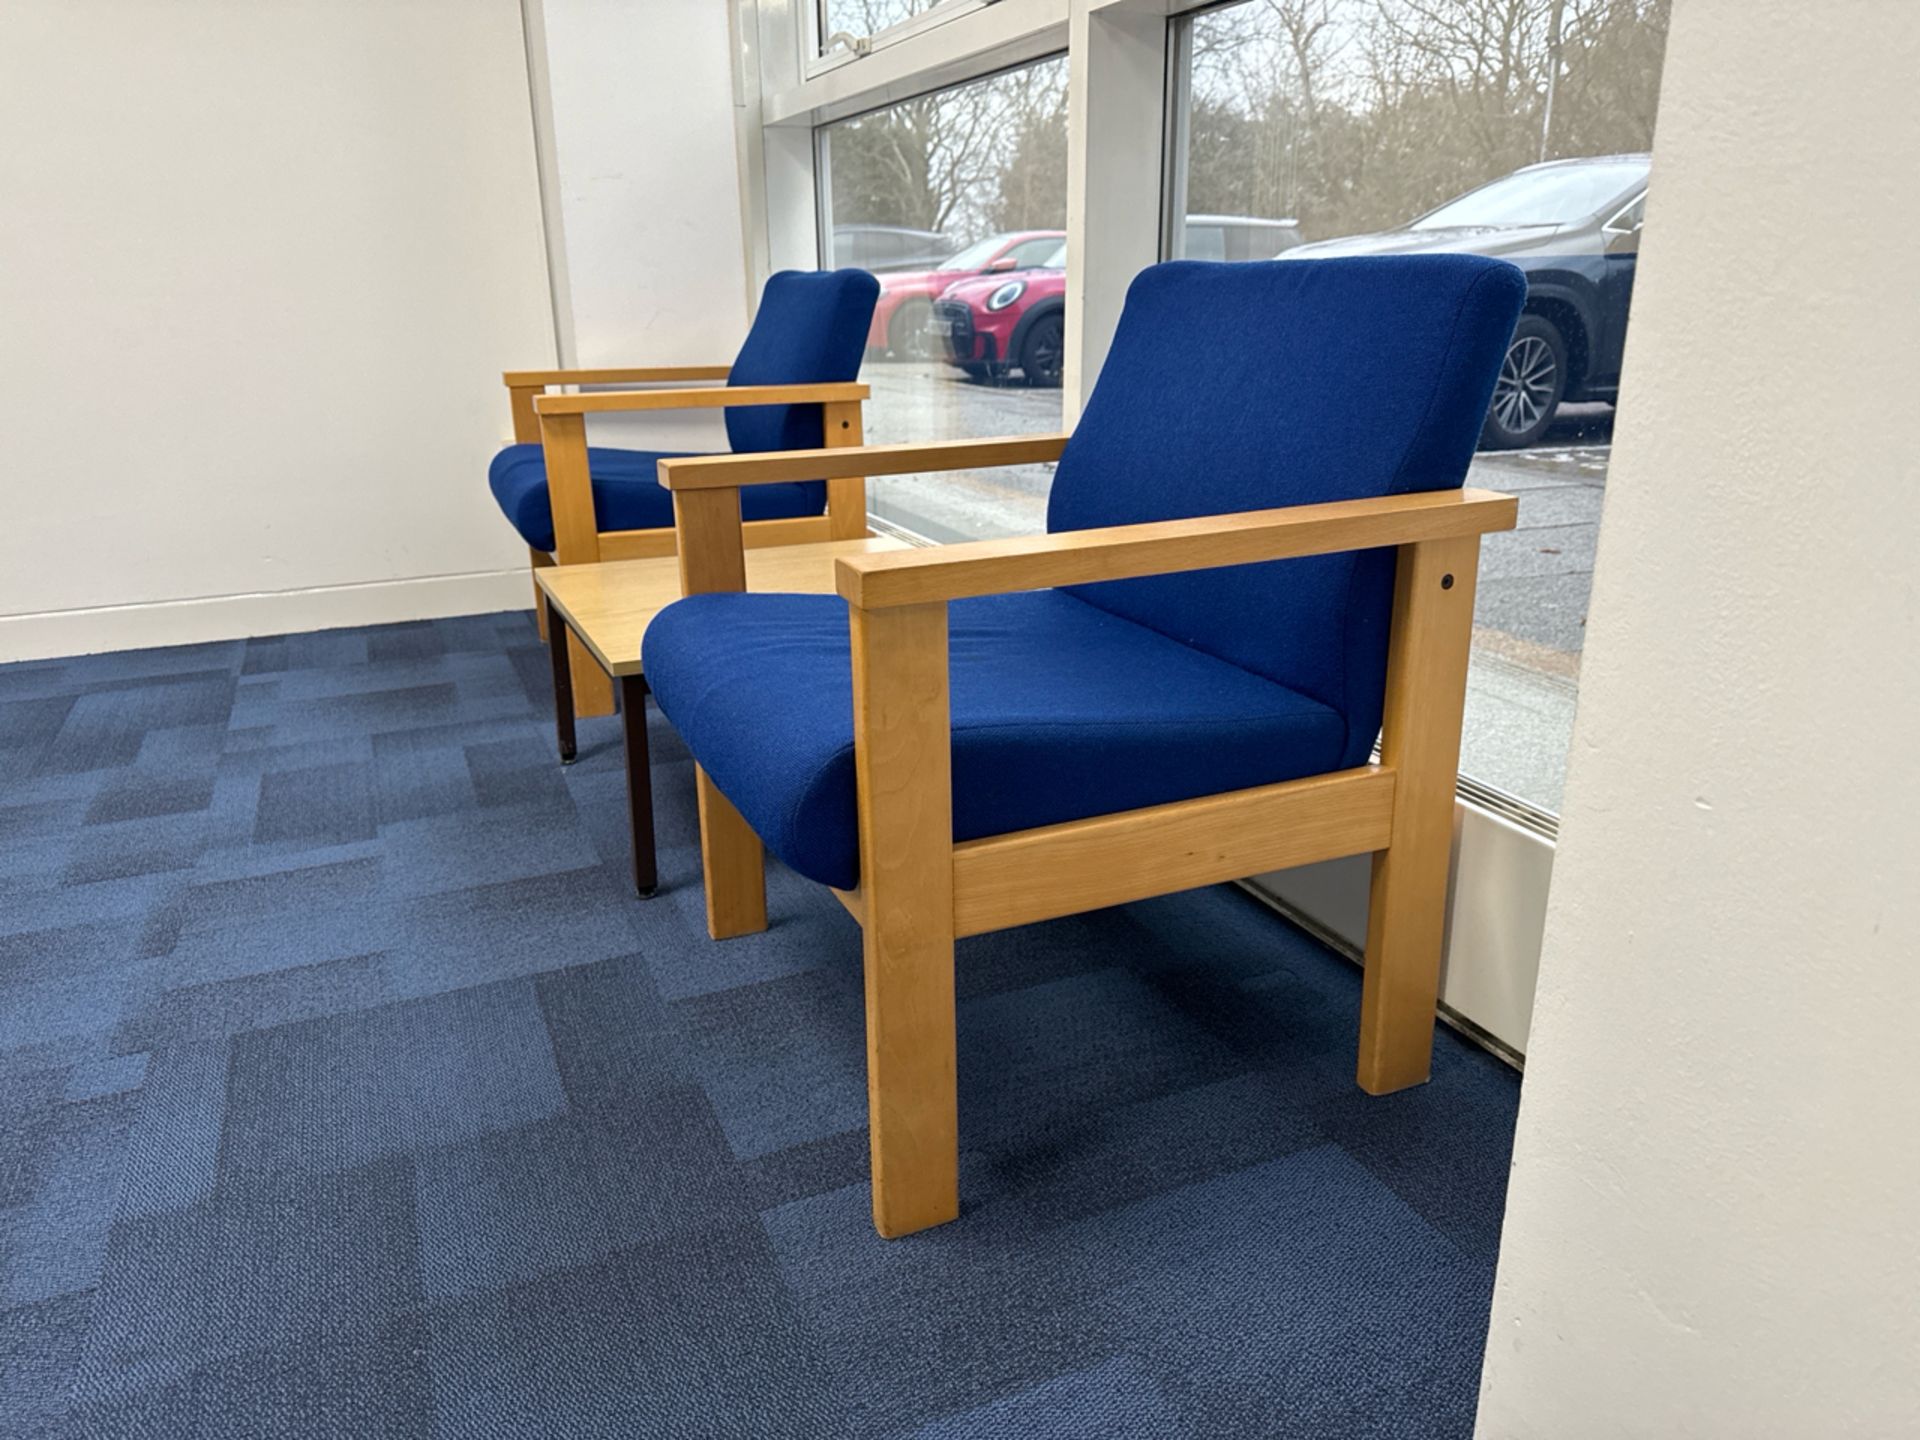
{"x": 1006, "y": 294}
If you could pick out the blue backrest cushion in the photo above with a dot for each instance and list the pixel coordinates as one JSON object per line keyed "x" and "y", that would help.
{"x": 1234, "y": 387}
{"x": 811, "y": 329}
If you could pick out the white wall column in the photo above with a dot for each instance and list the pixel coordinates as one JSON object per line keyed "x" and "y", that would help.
{"x": 1117, "y": 65}
{"x": 1711, "y": 1230}
{"x": 644, "y": 194}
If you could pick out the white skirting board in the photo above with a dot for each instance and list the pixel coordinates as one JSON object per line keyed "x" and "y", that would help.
{"x": 52, "y": 634}
{"x": 1496, "y": 913}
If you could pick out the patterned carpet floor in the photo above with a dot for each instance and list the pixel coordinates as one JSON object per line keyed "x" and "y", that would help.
{"x": 346, "y": 1090}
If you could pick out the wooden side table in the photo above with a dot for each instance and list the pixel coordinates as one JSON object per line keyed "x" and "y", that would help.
{"x": 609, "y": 605}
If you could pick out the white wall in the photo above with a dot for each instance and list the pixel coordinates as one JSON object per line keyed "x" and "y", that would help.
{"x": 1714, "y": 1225}
{"x": 260, "y": 266}
{"x": 644, "y": 187}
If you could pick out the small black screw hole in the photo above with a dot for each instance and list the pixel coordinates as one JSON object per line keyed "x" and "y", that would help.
{"x": 1446, "y": 582}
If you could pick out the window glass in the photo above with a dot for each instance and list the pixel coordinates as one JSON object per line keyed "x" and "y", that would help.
{"x": 977, "y": 255}
{"x": 1260, "y": 240}
{"x": 1539, "y": 195}
{"x": 860, "y": 19}
{"x": 1041, "y": 250}
{"x": 1510, "y": 127}
{"x": 1205, "y": 242}
{"x": 969, "y": 342}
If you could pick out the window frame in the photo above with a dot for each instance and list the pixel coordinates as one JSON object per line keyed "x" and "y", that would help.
{"x": 1126, "y": 69}
{"x": 819, "y": 59}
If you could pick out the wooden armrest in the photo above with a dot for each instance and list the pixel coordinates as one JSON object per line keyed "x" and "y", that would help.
{"x": 1122, "y": 552}
{"x": 596, "y": 402}
{"x": 619, "y": 375}
{"x": 778, "y": 467}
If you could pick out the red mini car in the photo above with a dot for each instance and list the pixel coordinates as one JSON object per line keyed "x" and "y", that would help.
{"x": 993, "y": 324}
{"x": 906, "y": 296}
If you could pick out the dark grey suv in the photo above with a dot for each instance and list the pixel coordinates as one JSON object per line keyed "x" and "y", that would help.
{"x": 1574, "y": 227}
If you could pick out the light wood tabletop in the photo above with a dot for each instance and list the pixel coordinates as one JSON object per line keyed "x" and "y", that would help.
{"x": 610, "y": 605}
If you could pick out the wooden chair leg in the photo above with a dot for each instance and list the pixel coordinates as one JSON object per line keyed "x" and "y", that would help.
{"x": 577, "y": 542}
{"x": 734, "y": 864}
{"x": 1420, "y": 739}
{"x": 903, "y": 758}
{"x": 539, "y": 560}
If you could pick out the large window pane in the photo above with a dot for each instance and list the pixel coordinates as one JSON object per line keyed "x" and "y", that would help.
{"x": 1510, "y": 127}
{"x": 957, "y": 201}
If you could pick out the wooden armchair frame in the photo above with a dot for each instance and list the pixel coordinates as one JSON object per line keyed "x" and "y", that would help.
{"x": 557, "y": 423}
{"x": 919, "y": 890}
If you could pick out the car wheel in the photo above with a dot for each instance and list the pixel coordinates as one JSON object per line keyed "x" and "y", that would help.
{"x": 1533, "y": 377}
{"x": 1043, "y": 353}
{"x": 907, "y": 334}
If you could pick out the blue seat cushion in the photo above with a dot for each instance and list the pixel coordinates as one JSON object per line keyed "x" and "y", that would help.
{"x": 626, "y": 493}
{"x": 1060, "y": 709}
{"x": 1235, "y": 387}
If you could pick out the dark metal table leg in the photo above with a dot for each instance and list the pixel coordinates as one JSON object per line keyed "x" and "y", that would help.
{"x": 633, "y": 719}
{"x": 557, "y": 647}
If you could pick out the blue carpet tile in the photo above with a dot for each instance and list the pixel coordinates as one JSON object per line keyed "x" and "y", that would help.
{"x": 346, "y": 1090}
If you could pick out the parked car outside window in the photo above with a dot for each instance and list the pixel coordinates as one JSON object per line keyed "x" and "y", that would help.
{"x": 1238, "y": 237}
{"x": 882, "y": 248}
{"x": 901, "y": 317}
{"x": 1574, "y": 227}
{"x": 996, "y": 324}
{"x": 990, "y": 325}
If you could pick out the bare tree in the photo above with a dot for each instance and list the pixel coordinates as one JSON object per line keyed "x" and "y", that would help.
{"x": 1307, "y": 27}
{"x": 1356, "y": 115}
{"x": 1030, "y": 182}
{"x": 1348, "y": 115}
{"x": 861, "y": 18}
{"x": 959, "y": 161}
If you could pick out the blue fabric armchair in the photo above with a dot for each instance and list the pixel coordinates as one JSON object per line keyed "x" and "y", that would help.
{"x": 1258, "y": 550}
{"x": 789, "y": 388}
